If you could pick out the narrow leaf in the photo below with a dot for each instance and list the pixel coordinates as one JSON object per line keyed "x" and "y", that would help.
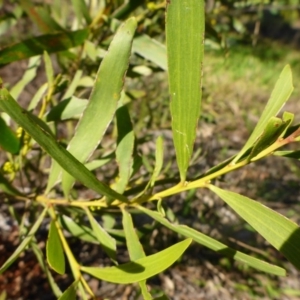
{"x": 151, "y": 50}
{"x": 25, "y": 241}
{"x": 140, "y": 269}
{"x": 144, "y": 290}
{"x": 106, "y": 241}
{"x": 28, "y": 76}
{"x": 125, "y": 148}
{"x": 290, "y": 154}
{"x": 274, "y": 129}
{"x": 36, "y": 46}
{"x": 279, "y": 231}
{"x": 134, "y": 246}
{"x": 104, "y": 98}
{"x": 39, "y": 16}
{"x": 185, "y": 47}
{"x": 40, "y": 257}
{"x": 54, "y": 249}
{"x": 215, "y": 245}
{"x": 56, "y": 151}
{"x": 77, "y": 229}
{"x": 280, "y": 94}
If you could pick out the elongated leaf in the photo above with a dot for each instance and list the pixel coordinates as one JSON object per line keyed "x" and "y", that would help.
{"x": 49, "y": 69}
{"x": 280, "y": 94}
{"x": 127, "y": 8}
{"x": 144, "y": 290}
{"x": 140, "y": 269}
{"x": 25, "y": 242}
{"x": 125, "y": 148}
{"x": 215, "y": 245}
{"x": 47, "y": 141}
{"x": 106, "y": 241}
{"x": 54, "y": 249}
{"x": 8, "y": 140}
{"x": 27, "y": 77}
{"x": 36, "y": 46}
{"x": 40, "y": 257}
{"x": 185, "y": 47}
{"x": 279, "y": 231}
{"x": 104, "y": 98}
{"x": 97, "y": 163}
{"x": 37, "y": 97}
{"x": 287, "y": 118}
{"x": 134, "y": 246}
{"x": 151, "y": 50}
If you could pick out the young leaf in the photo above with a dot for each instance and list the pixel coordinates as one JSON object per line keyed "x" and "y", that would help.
{"x": 134, "y": 246}
{"x": 140, "y": 269}
{"x": 38, "y": 130}
{"x": 274, "y": 129}
{"x": 54, "y": 249}
{"x": 8, "y": 140}
{"x": 279, "y": 231}
{"x": 185, "y": 47}
{"x": 280, "y": 94}
{"x": 151, "y": 50}
{"x": 215, "y": 245}
{"x": 36, "y": 46}
{"x": 106, "y": 241}
{"x": 25, "y": 241}
{"x": 104, "y": 98}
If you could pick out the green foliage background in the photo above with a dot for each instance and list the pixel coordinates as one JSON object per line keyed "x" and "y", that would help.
{"x": 77, "y": 54}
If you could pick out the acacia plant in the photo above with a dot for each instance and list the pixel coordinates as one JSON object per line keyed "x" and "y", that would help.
{"x": 76, "y": 159}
